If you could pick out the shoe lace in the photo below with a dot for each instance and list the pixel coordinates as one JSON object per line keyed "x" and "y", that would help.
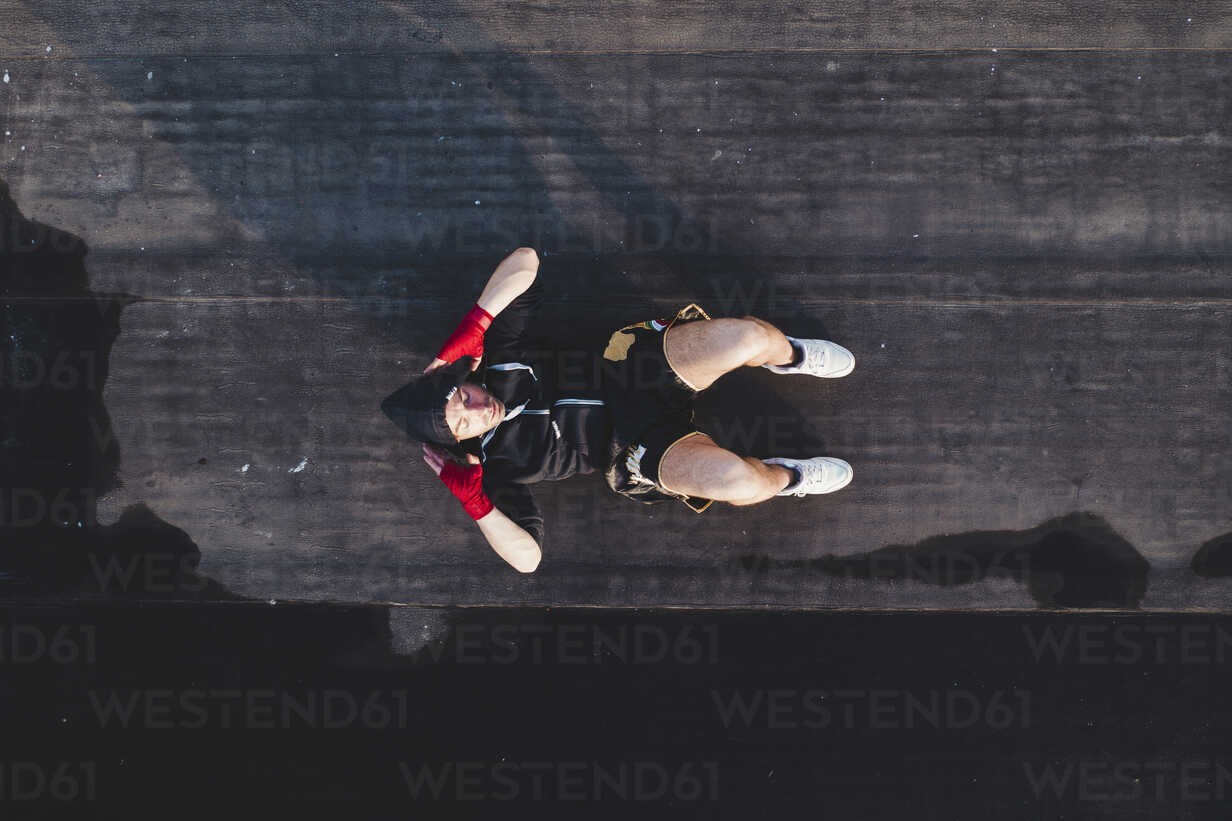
{"x": 813, "y": 359}
{"x": 808, "y": 473}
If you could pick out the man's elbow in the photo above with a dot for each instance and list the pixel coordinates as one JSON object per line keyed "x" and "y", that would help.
{"x": 525, "y": 259}
{"x": 526, "y": 561}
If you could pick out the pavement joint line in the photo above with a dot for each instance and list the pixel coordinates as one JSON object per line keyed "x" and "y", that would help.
{"x": 1143, "y": 302}
{"x": 457, "y": 51}
{"x": 648, "y": 609}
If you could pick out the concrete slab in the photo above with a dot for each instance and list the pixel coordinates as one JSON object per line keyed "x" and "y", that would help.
{"x": 296, "y": 26}
{"x": 1026, "y": 250}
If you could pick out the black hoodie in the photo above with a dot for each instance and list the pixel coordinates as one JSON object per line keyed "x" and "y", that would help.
{"x": 556, "y": 421}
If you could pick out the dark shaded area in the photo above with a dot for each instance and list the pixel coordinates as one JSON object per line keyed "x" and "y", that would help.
{"x": 1075, "y": 561}
{"x": 396, "y": 195}
{"x": 57, "y": 338}
{"x": 937, "y": 716}
{"x": 58, "y": 454}
{"x": 1214, "y": 559}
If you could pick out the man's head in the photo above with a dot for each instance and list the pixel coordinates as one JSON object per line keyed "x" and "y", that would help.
{"x": 445, "y": 407}
{"x": 472, "y": 411}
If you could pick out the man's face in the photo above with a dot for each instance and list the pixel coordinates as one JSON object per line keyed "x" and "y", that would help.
{"x": 472, "y": 411}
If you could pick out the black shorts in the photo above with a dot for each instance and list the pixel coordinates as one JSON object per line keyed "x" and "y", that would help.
{"x": 651, "y": 409}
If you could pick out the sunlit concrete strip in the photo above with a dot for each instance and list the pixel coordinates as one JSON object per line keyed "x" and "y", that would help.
{"x": 629, "y": 26}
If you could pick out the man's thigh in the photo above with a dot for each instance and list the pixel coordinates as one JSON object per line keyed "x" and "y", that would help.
{"x": 700, "y": 352}
{"x": 692, "y": 465}
{"x": 634, "y": 469}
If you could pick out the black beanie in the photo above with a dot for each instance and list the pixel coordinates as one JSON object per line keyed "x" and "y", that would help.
{"x": 419, "y": 406}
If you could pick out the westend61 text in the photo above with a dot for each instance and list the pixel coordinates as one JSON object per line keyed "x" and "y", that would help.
{"x": 68, "y": 371}
{"x": 561, "y": 781}
{"x": 873, "y": 709}
{"x": 575, "y": 644}
{"x": 39, "y": 781}
{"x": 39, "y": 507}
{"x": 249, "y": 709}
{"x": 1157, "y": 780}
{"x": 1105, "y": 643}
{"x": 30, "y": 643}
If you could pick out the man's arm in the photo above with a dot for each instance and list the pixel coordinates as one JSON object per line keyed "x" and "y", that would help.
{"x": 510, "y": 541}
{"x": 510, "y": 280}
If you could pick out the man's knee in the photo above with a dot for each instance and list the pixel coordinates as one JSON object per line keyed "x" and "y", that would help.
{"x": 756, "y": 333}
{"x": 737, "y": 479}
{"x": 697, "y": 465}
{"x": 766, "y": 328}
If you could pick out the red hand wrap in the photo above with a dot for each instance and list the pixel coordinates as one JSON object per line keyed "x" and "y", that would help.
{"x": 467, "y": 339}
{"x": 466, "y": 483}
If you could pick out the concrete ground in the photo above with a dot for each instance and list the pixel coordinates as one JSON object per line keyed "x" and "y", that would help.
{"x": 1016, "y": 218}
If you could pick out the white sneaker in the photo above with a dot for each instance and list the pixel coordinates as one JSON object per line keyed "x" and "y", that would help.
{"x": 821, "y": 474}
{"x": 821, "y": 358}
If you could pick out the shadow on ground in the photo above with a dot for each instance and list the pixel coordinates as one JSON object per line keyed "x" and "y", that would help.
{"x": 1214, "y": 559}
{"x": 58, "y": 455}
{"x": 394, "y": 203}
{"x": 1074, "y": 561}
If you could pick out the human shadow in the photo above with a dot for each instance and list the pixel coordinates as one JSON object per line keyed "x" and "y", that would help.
{"x": 58, "y": 454}
{"x": 1073, "y": 561}
{"x": 1214, "y": 559}
{"x": 385, "y": 212}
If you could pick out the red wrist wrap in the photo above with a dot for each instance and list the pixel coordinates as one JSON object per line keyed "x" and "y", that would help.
{"x": 466, "y": 484}
{"x": 467, "y": 338}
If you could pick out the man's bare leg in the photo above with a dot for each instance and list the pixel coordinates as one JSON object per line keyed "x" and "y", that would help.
{"x": 697, "y": 466}
{"x": 702, "y": 351}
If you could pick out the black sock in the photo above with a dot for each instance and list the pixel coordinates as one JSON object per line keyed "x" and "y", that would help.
{"x": 797, "y": 355}
{"x": 797, "y": 477}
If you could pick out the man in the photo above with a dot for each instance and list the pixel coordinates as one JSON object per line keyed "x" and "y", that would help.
{"x": 531, "y": 416}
